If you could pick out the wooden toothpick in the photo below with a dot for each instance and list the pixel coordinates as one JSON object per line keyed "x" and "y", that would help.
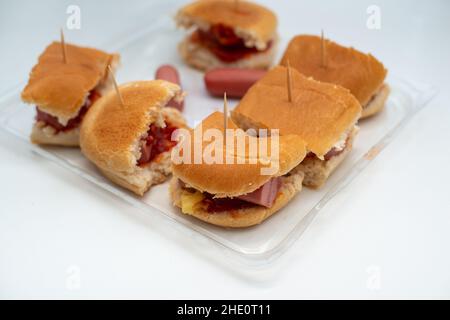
{"x": 225, "y": 117}
{"x": 323, "y": 63}
{"x": 63, "y": 46}
{"x": 289, "y": 81}
{"x": 119, "y": 95}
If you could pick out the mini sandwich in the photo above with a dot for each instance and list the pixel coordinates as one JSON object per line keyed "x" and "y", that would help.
{"x": 361, "y": 73}
{"x": 232, "y": 194}
{"x": 63, "y": 88}
{"x": 324, "y": 115}
{"x": 128, "y": 137}
{"x": 228, "y": 33}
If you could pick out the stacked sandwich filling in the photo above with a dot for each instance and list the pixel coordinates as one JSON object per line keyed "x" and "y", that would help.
{"x": 157, "y": 141}
{"x": 359, "y": 72}
{"x": 223, "y": 42}
{"x": 264, "y": 196}
{"x": 335, "y": 151}
{"x": 244, "y": 187}
{"x": 52, "y": 121}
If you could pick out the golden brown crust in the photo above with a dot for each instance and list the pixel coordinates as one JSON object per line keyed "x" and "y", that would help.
{"x": 230, "y": 180}
{"x": 59, "y": 88}
{"x": 319, "y": 114}
{"x": 110, "y": 133}
{"x": 376, "y": 104}
{"x": 140, "y": 181}
{"x": 361, "y": 73}
{"x": 255, "y": 24}
{"x": 291, "y": 185}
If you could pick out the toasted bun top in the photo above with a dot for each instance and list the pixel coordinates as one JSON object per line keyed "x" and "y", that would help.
{"x": 320, "y": 113}
{"x": 361, "y": 73}
{"x": 59, "y": 88}
{"x": 110, "y": 133}
{"x": 230, "y": 180}
{"x": 255, "y": 24}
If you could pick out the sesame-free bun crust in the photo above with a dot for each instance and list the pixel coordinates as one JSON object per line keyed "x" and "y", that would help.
{"x": 231, "y": 180}
{"x": 111, "y": 133}
{"x": 377, "y": 103}
{"x": 361, "y": 73}
{"x": 319, "y": 112}
{"x": 59, "y": 88}
{"x": 241, "y": 218}
{"x": 142, "y": 179}
{"x": 253, "y": 23}
{"x": 199, "y": 57}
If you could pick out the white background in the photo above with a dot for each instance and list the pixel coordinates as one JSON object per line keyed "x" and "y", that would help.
{"x": 386, "y": 236}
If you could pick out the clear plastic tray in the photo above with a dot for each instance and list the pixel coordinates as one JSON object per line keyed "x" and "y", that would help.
{"x": 256, "y": 245}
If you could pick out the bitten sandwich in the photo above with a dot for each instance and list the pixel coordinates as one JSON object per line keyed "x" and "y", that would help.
{"x": 63, "y": 89}
{"x": 361, "y": 73}
{"x": 232, "y": 194}
{"x": 130, "y": 143}
{"x": 227, "y": 33}
{"x": 324, "y": 115}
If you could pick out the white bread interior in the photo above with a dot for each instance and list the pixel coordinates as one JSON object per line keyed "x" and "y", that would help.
{"x": 228, "y": 180}
{"x": 317, "y": 171}
{"x": 376, "y": 104}
{"x": 199, "y": 57}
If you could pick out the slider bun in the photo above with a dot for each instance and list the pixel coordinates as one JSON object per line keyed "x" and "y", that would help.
{"x": 201, "y": 58}
{"x": 110, "y": 134}
{"x": 377, "y": 104}
{"x": 253, "y": 23}
{"x": 231, "y": 180}
{"x": 319, "y": 114}
{"x": 317, "y": 171}
{"x": 361, "y": 73}
{"x": 291, "y": 185}
{"x": 42, "y": 134}
{"x": 59, "y": 88}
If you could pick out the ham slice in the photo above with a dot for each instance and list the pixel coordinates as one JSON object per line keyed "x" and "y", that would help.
{"x": 265, "y": 195}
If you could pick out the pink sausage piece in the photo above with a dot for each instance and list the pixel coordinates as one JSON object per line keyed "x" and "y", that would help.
{"x": 234, "y": 81}
{"x": 170, "y": 73}
{"x": 265, "y": 195}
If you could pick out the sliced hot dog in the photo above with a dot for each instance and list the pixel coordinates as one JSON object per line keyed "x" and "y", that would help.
{"x": 234, "y": 81}
{"x": 169, "y": 73}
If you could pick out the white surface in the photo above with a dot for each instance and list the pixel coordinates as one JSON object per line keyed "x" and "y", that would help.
{"x": 391, "y": 225}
